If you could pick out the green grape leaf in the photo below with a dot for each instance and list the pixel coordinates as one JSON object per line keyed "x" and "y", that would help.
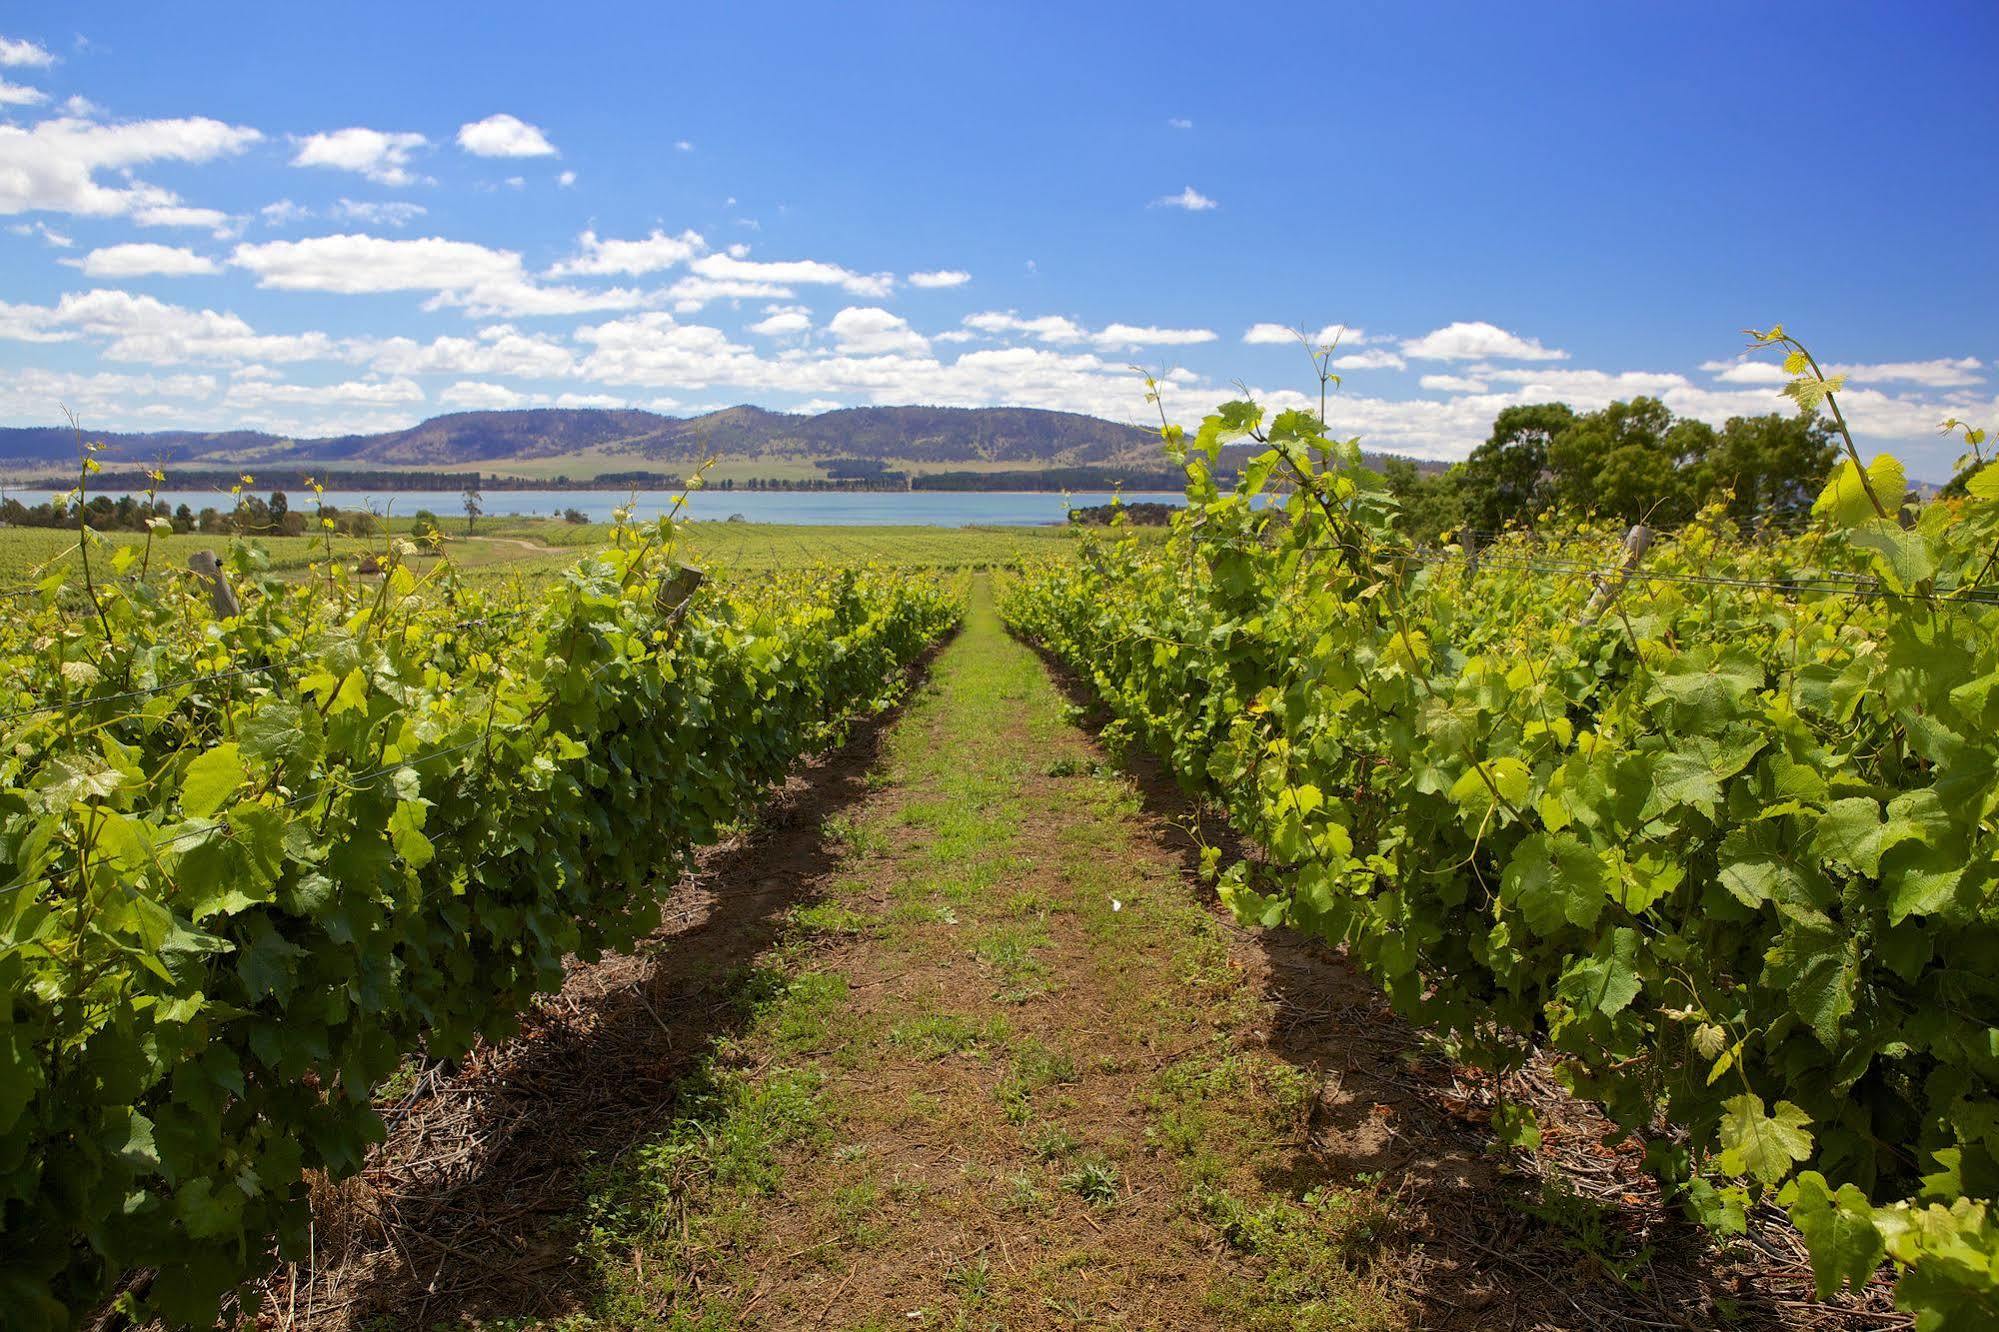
{"x": 1984, "y": 483}
{"x": 1903, "y": 558}
{"x": 1760, "y": 1145}
{"x": 211, "y": 779}
{"x": 1839, "y": 1231}
{"x": 1817, "y": 964}
{"x": 1607, "y": 980}
{"x": 1556, "y": 880}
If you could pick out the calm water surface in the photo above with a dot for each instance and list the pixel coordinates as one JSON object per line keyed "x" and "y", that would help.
{"x": 924, "y": 508}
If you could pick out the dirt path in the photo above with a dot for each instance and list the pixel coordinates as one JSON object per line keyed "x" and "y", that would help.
{"x": 956, "y": 1040}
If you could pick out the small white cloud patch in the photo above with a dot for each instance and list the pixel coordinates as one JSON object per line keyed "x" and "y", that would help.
{"x": 1190, "y": 199}
{"x": 503, "y": 135}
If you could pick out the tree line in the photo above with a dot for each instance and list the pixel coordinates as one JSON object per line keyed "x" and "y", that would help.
{"x": 1632, "y": 461}
{"x": 252, "y": 515}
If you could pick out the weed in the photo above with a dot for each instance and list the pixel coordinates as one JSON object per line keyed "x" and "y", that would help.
{"x": 1094, "y": 1181}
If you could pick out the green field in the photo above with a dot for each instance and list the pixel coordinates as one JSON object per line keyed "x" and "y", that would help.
{"x": 531, "y": 548}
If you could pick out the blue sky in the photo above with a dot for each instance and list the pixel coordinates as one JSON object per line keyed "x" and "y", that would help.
{"x": 351, "y": 217}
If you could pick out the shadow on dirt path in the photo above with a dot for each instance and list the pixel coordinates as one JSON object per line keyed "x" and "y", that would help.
{"x": 466, "y": 1211}
{"x": 1577, "y": 1237}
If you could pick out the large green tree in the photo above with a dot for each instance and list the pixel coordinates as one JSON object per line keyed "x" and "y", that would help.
{"x": 1637, "y": 462}
{"x": 1769, "y": 466}
{"x": 1506, "y": 480}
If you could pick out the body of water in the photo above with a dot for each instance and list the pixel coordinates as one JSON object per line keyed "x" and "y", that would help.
{"x": 921, "y": 508}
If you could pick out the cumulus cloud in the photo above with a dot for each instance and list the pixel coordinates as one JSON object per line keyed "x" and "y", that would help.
{"x": 479, "y": 395}
{"x": 1453, "y": 384}
{"x": 20, "y": 52}
{"x": 871, "y": 330}
{"x": 1179, "y": 122}
{"x": 1477, "y": 341}
{"x": 498, "y": 349}
{"x": 503, "y": 135}
{"x": 1942, "y": 372}
{"x": 53, "y": 167}
{"x": 1149, "y": 335}
{"x": 1190, "y": 199}
{"x": 353, "y": 392}
{"x": 138, "y": 259}
{"x": 597, "y": 256}
{"x": 943, "y": 277}
{"x": 690, "y": 294}
{"x": 149, "y": 330}
{"x": 485, "y": 282}
{"x": 380, "y": 156}
{"x": 102, "y": 399}
{"x": 783, "y": 321}
{"x": 1061, "y": 330}
{"x": 1375, "y": 358}
{"x": 732, "y": 266}
{"x": 20, "y": 94}
{"x": 566, "y": 179}
{"x": 1284, "y": 334}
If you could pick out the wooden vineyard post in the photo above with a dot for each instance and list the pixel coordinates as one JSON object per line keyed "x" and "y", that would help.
{"x": 209, "y": 569}
{"x": 1636, "y": 542}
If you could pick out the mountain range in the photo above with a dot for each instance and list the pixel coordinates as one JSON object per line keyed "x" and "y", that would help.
{"x": 972, "y": 436}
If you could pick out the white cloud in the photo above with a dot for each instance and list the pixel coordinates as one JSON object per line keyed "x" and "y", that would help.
{"x": 1179, "y": 122}
{"x": 599, "y": 400}
{"x": 1287, "y": 336}
{"x": 48, "y": 233}
{"x": 1060, "y": 329}
{"x": 1376, "y": 358}
{"x": 140, "y": 260}
{"x": 20, "y": 94}
{"x": 1942, "y": 372}
{"x": 503, "y": 135}
{"x": 357, "y": 263}
{"x": 382, "y": 157}
{"x": 1148, "y": 335}
{"x": 659, "y": 250}
{"x": 392, "y": 213}
{"x": 732, "y": 267}
{"x": 1046, "y": 328}
{"x": 145, "y": 329}
{"x": 284, "y": 212}
{"x": 783, "y": 321}
{"x": 481, "y": 396}
{"x": 871, "y": 330}
{"x": 486, "y": 282}
{"x": 104, "y": 400}
{"x": 498, "y": 349}
{"x": 566, "y": 179}
{"x": 1453, "y": 384}
{"x": 1190, "y": 199}
{"x": 652, "y": 349}
{"x": 181, "y": 215}
{"x": 19, "y": 51}
{"x": 52, "y": 168}
{"x": 689, "y": 294}
{"x": 354, "y": 392}
{"x": 1476, "y": 340}
{"x": 943, "y": 277}
{"x": 683, "y": 145}
{"x": 1593, "y": 388}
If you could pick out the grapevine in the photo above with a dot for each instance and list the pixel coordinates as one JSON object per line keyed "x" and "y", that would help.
{"x": 1729, "y": 850}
